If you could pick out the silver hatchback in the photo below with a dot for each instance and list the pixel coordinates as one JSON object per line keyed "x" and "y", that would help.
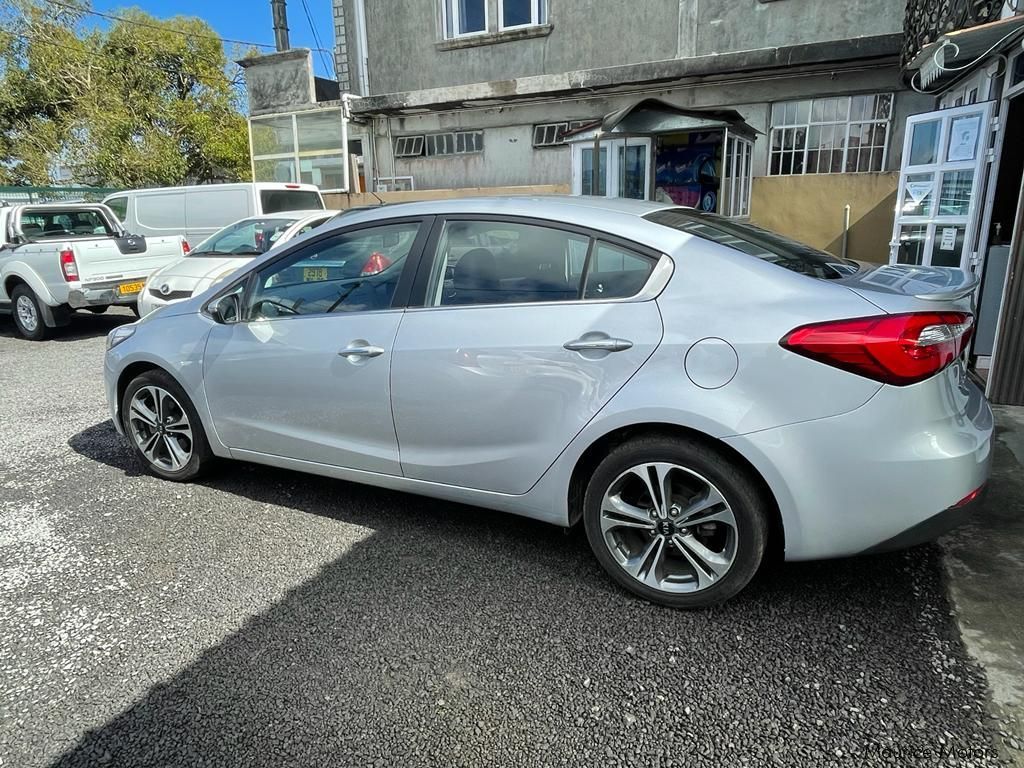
{"x": 693, "y": 389}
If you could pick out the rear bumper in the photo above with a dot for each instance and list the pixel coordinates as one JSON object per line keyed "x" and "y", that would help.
{"x": 881, "y": 476}
{"x": 101, "y": 295}
{"x": 933, "y": 527}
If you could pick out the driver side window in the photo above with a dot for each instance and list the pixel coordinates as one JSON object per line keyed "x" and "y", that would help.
{"x": 355, "y": 271}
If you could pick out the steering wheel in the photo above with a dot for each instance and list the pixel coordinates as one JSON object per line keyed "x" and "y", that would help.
{"x": 285, "y": 309}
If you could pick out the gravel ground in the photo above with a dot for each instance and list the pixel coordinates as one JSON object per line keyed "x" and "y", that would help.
{"x": 264, "y": 617}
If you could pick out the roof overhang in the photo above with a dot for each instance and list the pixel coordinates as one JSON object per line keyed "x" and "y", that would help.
{"x": 651, "y": 117}
{"x": 829, "y": 56}
{"x": 946, "y": 60}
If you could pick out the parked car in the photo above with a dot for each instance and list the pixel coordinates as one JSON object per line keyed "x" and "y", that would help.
{"x": 59, "y": 257}
{"x": 694, "y": 389}
{"x": 197, "y": 212}
{"x": 224, "y": 252}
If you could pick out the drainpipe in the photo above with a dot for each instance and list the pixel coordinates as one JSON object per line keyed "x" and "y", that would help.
{"x": 346, "y": 99}
{"x": 846, "y": 227}
{"x": 362, "y": 67}
{"x": 595, "y": 166}
{"x": 277, "y": 8}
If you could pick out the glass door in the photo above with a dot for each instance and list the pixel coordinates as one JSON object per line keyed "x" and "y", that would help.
{"x": 623, "y": 171}
{"x": 939, "y": 200}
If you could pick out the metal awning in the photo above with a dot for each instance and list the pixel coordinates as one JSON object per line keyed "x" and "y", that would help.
{"x": 652, "y": 117}
{"x": 947, "y": 59}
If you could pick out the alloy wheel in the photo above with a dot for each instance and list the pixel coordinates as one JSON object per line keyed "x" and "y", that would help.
{"x": 160, "y": 428}
{"x": 669, "y": 527}
{"x": 28, "y": 316}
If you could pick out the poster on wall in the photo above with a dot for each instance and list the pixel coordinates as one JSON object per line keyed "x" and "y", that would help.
{"x": 686, "y": 170}
{"x": 963, "y": 138}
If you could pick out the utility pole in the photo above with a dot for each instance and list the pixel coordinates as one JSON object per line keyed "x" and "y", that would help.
{"x": 277, "y": 7}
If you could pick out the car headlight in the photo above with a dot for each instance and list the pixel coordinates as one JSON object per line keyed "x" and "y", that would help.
{"x": 119, "y": 334}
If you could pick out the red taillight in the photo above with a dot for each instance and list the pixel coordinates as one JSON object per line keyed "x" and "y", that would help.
{"x": 969, "y": 498}
{"x": 892, "y": 349}
{"x": 377, "y": 262}
{"x": 185, "y": 247}
{"x": 68, "y": 266}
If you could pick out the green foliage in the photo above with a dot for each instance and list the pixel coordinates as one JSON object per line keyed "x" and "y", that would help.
{"x": 144, "y": 102}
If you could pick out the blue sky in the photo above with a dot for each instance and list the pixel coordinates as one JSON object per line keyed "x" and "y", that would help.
{"x": 244, "y": 20}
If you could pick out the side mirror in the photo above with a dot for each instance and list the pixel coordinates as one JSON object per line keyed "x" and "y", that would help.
{"x": 227, "y": 309}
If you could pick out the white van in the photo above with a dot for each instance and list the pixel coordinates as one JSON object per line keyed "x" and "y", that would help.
{"x": 198, "y": 212}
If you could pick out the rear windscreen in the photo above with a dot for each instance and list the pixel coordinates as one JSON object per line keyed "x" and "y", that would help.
{"x": 277, "y": 200}
{"x": 44, "y": 223}
{"x": 755, "y": 241}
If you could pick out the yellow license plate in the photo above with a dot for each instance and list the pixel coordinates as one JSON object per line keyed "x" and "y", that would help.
{"x": 313, "y": 274}
{"x": 128, "y": 288}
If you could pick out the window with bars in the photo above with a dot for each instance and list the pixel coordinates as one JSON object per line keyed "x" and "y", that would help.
{"x": 553, "y": 134}
{"x": 844, "y": 134}
{"x": 408, "y": 146}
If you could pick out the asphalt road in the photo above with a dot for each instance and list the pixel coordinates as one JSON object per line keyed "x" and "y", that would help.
{"x": 270, "y": 618}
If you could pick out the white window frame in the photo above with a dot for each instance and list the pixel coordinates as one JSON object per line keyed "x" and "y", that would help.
{"x": 844, "y": 123}
{"x": 296, "y": 155}
{"x": 538, "y": 15}
{"x": 415, "y": 140}
{"x": 452, "y": 33}
{"x": 435, "y": 137}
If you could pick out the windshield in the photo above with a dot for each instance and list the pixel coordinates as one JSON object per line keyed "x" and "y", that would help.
{"x": 54, "y": 222}
{"x": 755, "y": 241}
{"x": 277, "y": 200}
{"x": 249, "y": 237}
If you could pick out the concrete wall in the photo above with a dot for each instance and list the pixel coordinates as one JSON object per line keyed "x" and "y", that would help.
{"x": 509, "y": 156}
{"x": 810, "y": 209}
{"x": 340, "y": 201}
{"x": 406, "y": 50}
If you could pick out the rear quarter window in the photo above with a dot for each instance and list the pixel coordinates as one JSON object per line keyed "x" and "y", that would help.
{"x": 754, "y": 241}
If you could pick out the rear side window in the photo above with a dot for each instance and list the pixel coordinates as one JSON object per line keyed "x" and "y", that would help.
{"x": 119, "y": 205}
{"x": 503, "y": 262}
{"x": 769, "y": 246}
{"x": 277, "y": 200}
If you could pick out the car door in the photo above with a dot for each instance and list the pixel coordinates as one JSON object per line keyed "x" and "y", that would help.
{"x": 528, "y": 330}
{"x": 305, "y": 373}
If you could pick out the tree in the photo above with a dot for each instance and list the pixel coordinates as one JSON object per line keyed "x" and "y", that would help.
{"x": 144, "y": 102}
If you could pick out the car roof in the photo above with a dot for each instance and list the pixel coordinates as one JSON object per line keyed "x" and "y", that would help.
{"x": 615, "y": 216}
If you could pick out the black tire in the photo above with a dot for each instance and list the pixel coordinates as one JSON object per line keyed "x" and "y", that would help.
{"x": 201, "y": 458}
{"x": 748, "y": 505}
{"x": 97, "y": 310}
{"x": 134, "y": 307}
{"x": 23, "y": 293}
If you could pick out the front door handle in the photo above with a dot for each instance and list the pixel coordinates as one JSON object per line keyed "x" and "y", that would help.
{"x": 362, "y": 350}
{"x": 598, "y": 345}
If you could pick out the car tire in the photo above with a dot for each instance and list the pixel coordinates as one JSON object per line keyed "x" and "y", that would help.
{"x": 698, "y": 545}
{"x": 164, "y": 428}
{"x": 134, "y": 307}
{"x": 28, "y": 317}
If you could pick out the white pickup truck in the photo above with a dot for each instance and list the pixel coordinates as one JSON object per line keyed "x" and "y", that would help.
{"x": 59, "y": 257}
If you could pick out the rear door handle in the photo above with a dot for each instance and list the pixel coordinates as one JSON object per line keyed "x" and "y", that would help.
{"x": 598, "y": 345}
{"x": 367, "y": 350}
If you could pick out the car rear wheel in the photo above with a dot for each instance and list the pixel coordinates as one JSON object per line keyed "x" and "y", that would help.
{"x": 28, "y": 318}
{"x": 675, "y": 521}
{"x": 164, "y": 428}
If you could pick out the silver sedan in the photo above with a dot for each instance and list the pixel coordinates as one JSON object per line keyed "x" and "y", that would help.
{"x": 695, "y": 390}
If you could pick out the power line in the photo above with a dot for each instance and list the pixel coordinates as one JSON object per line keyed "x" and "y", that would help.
{"x": 316, "y": 38}
{"x": 137, "y": 23}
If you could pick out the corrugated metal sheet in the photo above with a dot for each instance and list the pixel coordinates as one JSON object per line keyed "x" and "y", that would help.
{"x": 1008, "y": 365}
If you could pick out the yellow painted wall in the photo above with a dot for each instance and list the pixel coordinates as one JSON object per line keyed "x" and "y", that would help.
{"x": 810, "y": 209}
{"x": 340, "y": 200}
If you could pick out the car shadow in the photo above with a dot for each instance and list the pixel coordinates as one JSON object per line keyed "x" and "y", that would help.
{"x": 453, "y": 635}
{"x": 83, "y": 325}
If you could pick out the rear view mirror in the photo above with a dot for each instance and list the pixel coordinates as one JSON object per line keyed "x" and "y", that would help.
{"x": 226, "y": 309}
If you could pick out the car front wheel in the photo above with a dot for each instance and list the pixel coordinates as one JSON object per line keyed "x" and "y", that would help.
{"x": 164, "y": 428}
{"x": 675, "y": 521}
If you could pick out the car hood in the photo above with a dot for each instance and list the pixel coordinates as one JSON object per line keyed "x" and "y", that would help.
{"x": 201, "y": 267}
